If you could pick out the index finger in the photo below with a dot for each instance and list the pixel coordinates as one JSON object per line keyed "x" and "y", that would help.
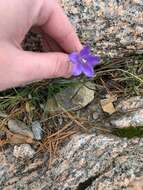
{"x": 60, "y": 29}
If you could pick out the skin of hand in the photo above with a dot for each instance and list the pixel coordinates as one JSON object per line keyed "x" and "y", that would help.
{"x": 19, "y": 67}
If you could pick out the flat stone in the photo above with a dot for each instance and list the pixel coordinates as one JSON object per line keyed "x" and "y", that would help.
{"x": 72, "y": 98}
{"x": 24, "y": 151}
{"x": 19, "y": 127}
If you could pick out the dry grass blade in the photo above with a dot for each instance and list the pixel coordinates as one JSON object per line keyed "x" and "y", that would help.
{"x": 91, "y": 126}
{"x": 60, "y": 131}
{"x": 104, "y": 85}
{"x": 75, "y": 120}
{"x": 70, "y": 133}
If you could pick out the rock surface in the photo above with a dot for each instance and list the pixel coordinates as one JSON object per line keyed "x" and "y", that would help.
{"x": 129, "y": 113}
{"x": 115, "y": 26}
{"x": 130, "y": 119}
{"x": 88, "y": 161}
{"x": 129, "y": 104}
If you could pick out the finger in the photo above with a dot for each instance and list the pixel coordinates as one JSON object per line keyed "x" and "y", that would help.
{"x": 38, "y": 66}
{"x": 60, "y": 29}
{"x": 25, "y": 67}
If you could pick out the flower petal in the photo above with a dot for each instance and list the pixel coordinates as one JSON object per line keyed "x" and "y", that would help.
{"x": 85, "y": 51}
{"x": 88, "y": 70}
{"x": 77, "y": 70}
{"x": 74, "y": 58}
{"x": 93, "y": 60}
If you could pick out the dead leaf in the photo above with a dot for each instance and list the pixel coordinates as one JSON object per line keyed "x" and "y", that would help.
{"x": 3, "y": 142}
{"x": 107, "y": 104}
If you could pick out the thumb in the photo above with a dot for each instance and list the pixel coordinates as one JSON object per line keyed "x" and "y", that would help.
{"x": 24, "y": 67}
{"x": 38, "y": 66}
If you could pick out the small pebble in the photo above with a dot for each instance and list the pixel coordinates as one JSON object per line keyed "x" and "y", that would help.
{"x": 37, "y": 130}
{"x": 19, "y": 127}
{"x": 23, "y": 151}
{"x": 95, "y": 115}
{"x": 2, "y": 135}
{"x": 60, "y": 119}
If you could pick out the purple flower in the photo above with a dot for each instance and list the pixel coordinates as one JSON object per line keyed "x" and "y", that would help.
{"x": 84, "y": 62}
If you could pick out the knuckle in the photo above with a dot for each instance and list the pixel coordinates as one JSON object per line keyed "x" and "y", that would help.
{"x": 63, "y": 67}
{"x": 58, "y": 66}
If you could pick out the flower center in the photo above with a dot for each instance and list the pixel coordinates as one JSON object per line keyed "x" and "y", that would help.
{"x": 84, "y": 61}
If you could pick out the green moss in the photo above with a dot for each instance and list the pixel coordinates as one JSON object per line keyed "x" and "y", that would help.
{"x": 129, "y": 132}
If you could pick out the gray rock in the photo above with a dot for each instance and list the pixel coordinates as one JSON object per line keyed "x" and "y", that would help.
{"x": 107, "y": 162}
{"x": 113, "y": 25}
{"x": 2, "y": 135}
{"x": 92, "y": 112}
{"x": 131, "y": 119}
{"x": 90, "y": 161}
{"x": 86, "y": 162}
{"x": 130, "y": 104}
{"x": 37, "y": 130}
{"x": 19, "y": 127}
{"x": 24, "y": 151}
{"x": 95, "y": 115}
{"x": 18, "y": 174}
{"x": 123, "y": 173}
{"x": 72, "y": 98}
{"x": 3, "y": 173}
{"x": 129, "y": 113}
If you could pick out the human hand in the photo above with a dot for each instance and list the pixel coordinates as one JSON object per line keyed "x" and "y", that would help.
{"x": 18, "y": 67}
